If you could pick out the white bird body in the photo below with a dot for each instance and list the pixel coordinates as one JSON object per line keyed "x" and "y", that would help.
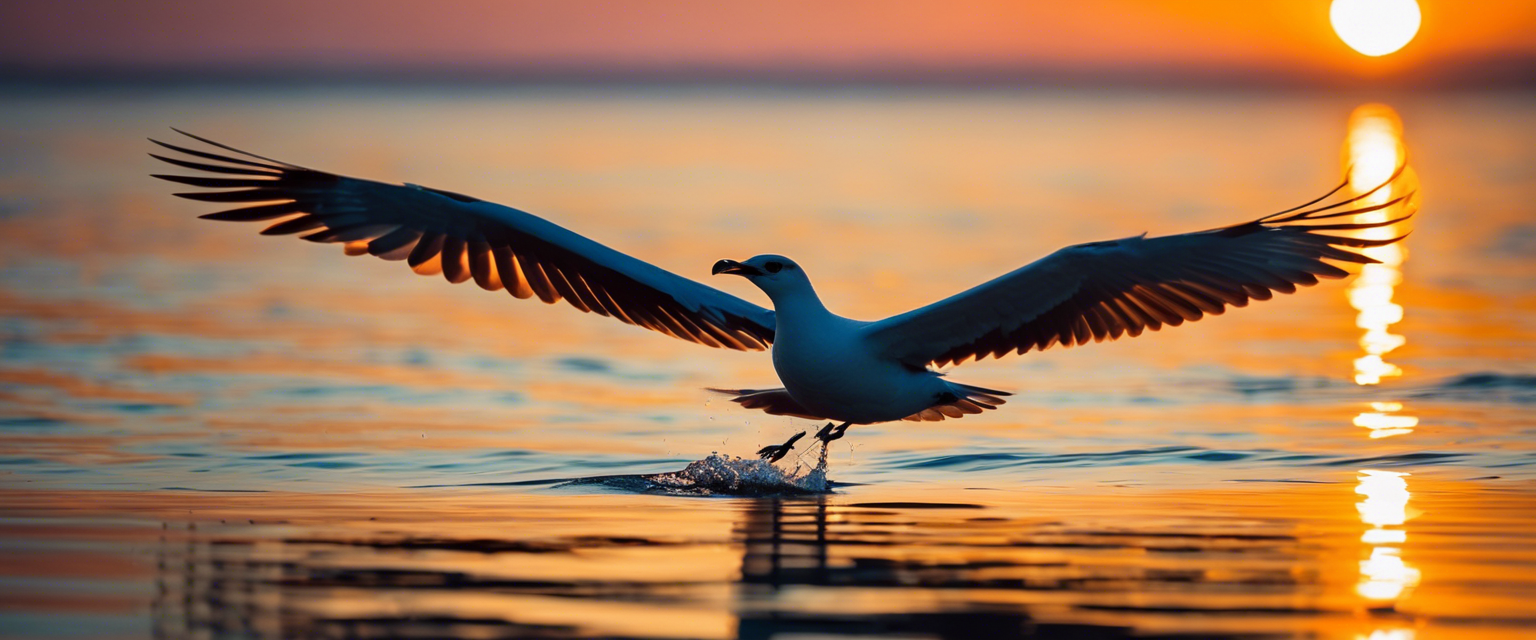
{"x": 831, "y": 367}
{"x": 828, "y": 367}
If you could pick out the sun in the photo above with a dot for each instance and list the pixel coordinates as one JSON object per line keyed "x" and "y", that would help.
{"x": 1375, "y": 27}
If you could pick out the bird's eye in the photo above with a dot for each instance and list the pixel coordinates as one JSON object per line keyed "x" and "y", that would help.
{"x": 773, "y": 267}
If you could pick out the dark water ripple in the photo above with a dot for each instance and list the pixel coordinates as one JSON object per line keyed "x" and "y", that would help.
{"x": 1003, "y": 460}
{"x": 1483, "y": 387}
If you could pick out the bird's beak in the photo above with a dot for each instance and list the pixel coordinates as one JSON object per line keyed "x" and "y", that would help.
{"x": 732, "y": 266}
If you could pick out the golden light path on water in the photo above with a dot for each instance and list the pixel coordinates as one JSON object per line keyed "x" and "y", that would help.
{"x": 1373, "y": 151}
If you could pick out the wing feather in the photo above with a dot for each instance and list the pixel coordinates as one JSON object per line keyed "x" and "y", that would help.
{"x": 1105, "y": 290}
{"x": 464, "y": 239}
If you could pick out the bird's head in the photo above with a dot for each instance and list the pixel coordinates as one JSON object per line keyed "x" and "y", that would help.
{"x": 773, "y": 274}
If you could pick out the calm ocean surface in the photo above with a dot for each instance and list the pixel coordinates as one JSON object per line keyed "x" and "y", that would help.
{"x": 208, "y": 433}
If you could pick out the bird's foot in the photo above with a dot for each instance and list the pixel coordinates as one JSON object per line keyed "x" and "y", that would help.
{"x": 773, "y": 452}
{"x": 831, "y": 432}
{"x": 827, "y": 435}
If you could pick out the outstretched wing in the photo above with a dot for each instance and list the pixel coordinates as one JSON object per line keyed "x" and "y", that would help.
{"x": 1103, "y": 290}
{"x": 468, "y": 239}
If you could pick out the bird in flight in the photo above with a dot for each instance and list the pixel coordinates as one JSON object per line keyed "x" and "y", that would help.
{"x": 832, "y": 368}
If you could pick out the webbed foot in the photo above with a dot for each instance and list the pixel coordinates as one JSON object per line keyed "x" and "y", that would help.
{"x": 773, "y": 452}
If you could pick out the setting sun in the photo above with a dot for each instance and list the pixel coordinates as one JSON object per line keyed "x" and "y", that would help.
{"x": 1375, "y": 27}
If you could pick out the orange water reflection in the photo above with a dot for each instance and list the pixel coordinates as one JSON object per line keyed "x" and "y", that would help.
{"x": 485, "y": 563}
{"x": 1374, "y": 149}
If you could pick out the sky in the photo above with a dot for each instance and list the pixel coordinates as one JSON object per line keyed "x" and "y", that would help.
{"x": 1153, "y": 40}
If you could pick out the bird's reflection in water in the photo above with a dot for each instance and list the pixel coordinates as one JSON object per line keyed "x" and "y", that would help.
{"x": 787, "y": 547}
{"x": 208, "y": 589}
{"x": 785, "y": 566}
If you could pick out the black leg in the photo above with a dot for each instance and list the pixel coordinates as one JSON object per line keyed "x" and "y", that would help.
{"x": 825, "y": 433}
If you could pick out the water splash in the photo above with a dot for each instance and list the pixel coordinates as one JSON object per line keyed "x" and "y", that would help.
{"x": 723, "y": 475}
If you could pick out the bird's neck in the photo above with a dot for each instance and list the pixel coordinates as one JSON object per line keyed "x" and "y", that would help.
{"x": 800, "y": 304}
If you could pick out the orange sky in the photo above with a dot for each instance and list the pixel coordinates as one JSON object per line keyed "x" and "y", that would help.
{"x": 1114, "y": 38}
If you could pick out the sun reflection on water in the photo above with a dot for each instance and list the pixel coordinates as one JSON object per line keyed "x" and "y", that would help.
{"x": 1384, "y": 576}
{"x": 1373, "y": 151}
{"x": 1389, "y": 634}
{"x": 1383, "y": 423}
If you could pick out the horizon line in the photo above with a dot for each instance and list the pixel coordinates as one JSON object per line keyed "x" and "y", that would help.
{"x": 1482, "y": 72}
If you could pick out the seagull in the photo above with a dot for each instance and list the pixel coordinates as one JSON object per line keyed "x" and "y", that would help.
{"x": 853, "y": 372}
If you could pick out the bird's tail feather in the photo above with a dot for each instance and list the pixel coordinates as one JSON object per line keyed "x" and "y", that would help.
{"x": 963, "y": 400}
{"x": 968, "y": 400}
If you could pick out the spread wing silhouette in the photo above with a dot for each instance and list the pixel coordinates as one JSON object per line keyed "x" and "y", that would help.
{"x": 464, "y": 238}
{"x": 1104, "y": 290}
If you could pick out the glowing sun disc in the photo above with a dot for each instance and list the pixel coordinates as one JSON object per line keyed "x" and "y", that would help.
{"x": 1375, "y": 27}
